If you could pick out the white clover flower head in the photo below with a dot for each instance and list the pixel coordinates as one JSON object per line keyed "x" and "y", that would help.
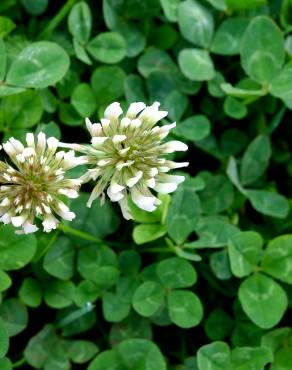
{"x": 127, "y": 156}
{"x": 34, "y": 183}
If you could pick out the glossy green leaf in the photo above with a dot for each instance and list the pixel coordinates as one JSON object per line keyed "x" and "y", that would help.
{"x": 107, "y": 47}
{"x": 35, "y": 7}
{"x": 4, "y": 339}
{"x": 255, "y": 159}
{"x": 268, "y": 203}
{"x": 98, "y": 264}
{"x": 59, "y": 261}
{"x": 132, "y": 353}
{"x": 86, "y": 218}
{"x": 193, "y": 128}
{"x": 155, "y": 60}
{"x": 281, "y": 85}
{"x": 228, "y": 36}
{"x": 196, "y": 64}
{"x": 15, "y": 251}
{"x": 5, "y": 364}
{"x": 30, "y": 292}
{"x": 146, "y": 233}
{"x": 108, "y": 83}
{"x": 14, "y": 315}
{"x": 6, "y": 26}
{"x": 22, "y": 110}
{"x": 170, "y": 9}
{"x": 185, "y": 308}
{"x": 214, "y": 356}
{"x": 244, "y": 250}
{"x": 176, "y": 273}
{"x": 39, "y": 65}
{"x": 3, "y": 60}
{"x": 5, "y": 281}
{"x": 262, "y": 50}
{"x": 80, "y": 22}
{"x": 80, "y": 351}
{"x": 234, "y": 108}
{"x": 183, "y": 214}
{"x": 263, "y": 300}
{"x": 148, "y": 298}
{"x": 247, "y": 358}
{"x": 83, "y": 100}
{"x": 277, "y": 259}
{"x": 196, "y": 22}
{"x": 59, "y": 294}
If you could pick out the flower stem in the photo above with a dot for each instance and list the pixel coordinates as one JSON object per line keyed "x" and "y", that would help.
{"x": 156, "y": 250}
{"x": 19, "y": 363}
{"x": 57, "y": 19}
{"x": 81, "y": 234}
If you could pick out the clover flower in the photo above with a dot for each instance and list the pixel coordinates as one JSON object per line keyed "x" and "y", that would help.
{"x": 127, "y": 156}
{"x": 35, "y": 182}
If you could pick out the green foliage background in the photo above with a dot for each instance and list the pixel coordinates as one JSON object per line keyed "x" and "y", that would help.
{"x": 204, "y": 282}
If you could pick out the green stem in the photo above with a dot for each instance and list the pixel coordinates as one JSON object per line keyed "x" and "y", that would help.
{"x": 48, "y": 246}
{"x": 19, "y": 363}
{"x": 54, "y": 23}
{"x": 81, "y": 234}
{"x": 156, "y": 250}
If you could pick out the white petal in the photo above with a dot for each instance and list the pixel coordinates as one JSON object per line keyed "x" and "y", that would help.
{"x": 98, "y": 141}
{"x": 41, "y": 141}
{"x": 124, "y": 151}
{"x": 119, "y": 138}
{"x": 173, "y": 165}
{"x": 9, "y": 149}
{"x": 94, "y": 194}
{"x": 134, "y": 109}
{"x": 70, "y": 193}
{"x": 103, "y": 162}
{"x": 17, "y": 145}
{"x": 153, "y": 172}
{"x": 70, "y": 161}
{"x": 94, "y": 129}
{"x": 50, "y": 223}
{"x": 133, "y": 180}
{"x": 125, "y": 122}
{"x": 88, "y": 124}
{"x": 165, "y": 188}
{"x": 176, "y": 179}
{"x": 30, "y": 139}
{"x": 105, "y": 123}
{"x": 152, "y": 113}
{"x": 173, "y": 146}
{"x": 28, "y": 152}
{"x": 52, "y": 143}
{"x": 5, "y": 202}
{"x": 113, "y": 111}
{"x": 18, "y": 220}
{"x": 163, "y": 169}
{"x": 115, "y": 187}
{"x": 69, "y": 216}
{"x": 29, "y": 228}
{"x": 125, "y": 208}
{"x": 114, "y": 197}
{"x": 6, "y": 218}
{"x": 142, "y": 201}
{"x": 150, "y": 183}
{"x": 121, "y": 165}
{"x": 135, "y": 123}
{"x": 167, "y": 128}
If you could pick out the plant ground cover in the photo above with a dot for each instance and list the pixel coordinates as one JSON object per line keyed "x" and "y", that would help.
{"x": 204, "y": 281}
